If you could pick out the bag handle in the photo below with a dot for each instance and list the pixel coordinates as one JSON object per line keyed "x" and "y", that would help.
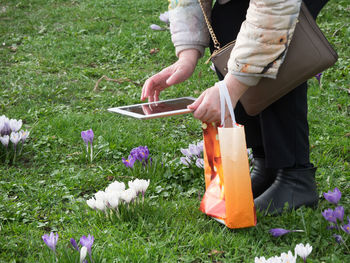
{"x": 211, "y": 31}
{"x": 225, "y": 96}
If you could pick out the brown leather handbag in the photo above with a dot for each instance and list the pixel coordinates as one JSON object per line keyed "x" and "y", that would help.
{"x": 309, "y": 53}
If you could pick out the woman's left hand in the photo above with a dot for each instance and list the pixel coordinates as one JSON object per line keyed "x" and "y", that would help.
{"x": 207, "y": 107}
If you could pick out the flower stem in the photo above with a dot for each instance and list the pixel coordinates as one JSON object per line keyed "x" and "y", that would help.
{"x": 14, "y": 156}
{"x": 91, "y": 152}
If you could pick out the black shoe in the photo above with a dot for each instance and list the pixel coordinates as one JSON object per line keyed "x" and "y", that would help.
{"x": 296, "y": 187}
{"x": 262, "y": 178}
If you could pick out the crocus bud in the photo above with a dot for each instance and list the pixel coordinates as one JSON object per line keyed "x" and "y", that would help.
{"x": 5, "y": 140}
{"x": 156, "y": 27}
{"x": 83, "y": 253}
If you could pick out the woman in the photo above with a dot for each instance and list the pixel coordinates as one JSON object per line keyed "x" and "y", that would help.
{"x": 278, "y": 135}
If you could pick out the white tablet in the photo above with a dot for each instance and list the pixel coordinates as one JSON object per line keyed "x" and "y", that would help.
{"x": 156, "y": 109}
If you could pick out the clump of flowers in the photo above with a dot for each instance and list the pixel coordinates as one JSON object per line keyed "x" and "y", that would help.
{"x": 88, "y": 138}
{"x": 116, "y": 194}
{"x": 300, "y": 250}
{"x": 164, "y": 17}
{"x": 335, "y": 216}
{"x": 86, "y": 243}
{"x": 193, "y": 155}
{"x": 139, "y": 154}
{"x": 11, "y": 136}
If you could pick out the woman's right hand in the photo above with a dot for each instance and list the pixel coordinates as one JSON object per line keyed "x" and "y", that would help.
{"x": 178, "y": 72}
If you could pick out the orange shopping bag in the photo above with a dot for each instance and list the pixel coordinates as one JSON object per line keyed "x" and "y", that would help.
{"x": 228, "y": 197}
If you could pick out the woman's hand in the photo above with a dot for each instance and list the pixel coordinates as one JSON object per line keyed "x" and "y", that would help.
{"x": 174, "y": 74}
{"x": 207, "y": 107}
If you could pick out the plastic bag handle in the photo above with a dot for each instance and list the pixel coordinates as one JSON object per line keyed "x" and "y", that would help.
{"x": 225, "y": 96}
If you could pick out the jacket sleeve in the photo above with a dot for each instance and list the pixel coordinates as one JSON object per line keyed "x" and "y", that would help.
{"x": 263, "y": 40}
{"x": 187, "y": 25}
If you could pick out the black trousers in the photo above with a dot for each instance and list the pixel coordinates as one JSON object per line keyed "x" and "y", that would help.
{"x": 280, "y": 133}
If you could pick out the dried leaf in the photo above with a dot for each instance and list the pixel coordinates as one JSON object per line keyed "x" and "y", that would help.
{"x": 13, "y": 48}
{"x": 215, "y": 252}
{"x": 154, "y": 51}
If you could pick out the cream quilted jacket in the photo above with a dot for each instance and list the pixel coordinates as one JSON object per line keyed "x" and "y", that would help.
{"x": 260, "y": 45}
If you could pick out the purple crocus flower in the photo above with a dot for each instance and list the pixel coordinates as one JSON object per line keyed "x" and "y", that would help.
{"x": 200, "y": 163}
{"x": 140, "y": 153}
{"x": 87, "y": 241}
{"x": 318, "y": 77}
{"x": 51, "y": 240}
{"x": 129, "y": 162}
{"x": 338, "y": 238}
{"x": 194, "y": 150}
{"x": 277, "y": 232}
{"x": 87, "y": 136}
{"x": 185, "y": 161}
{"x": 339, "y": 213}
{"x": 346, "y": 228}
{"x": 164, "y": 17}
{"x": 333, "y": 196}
{"x": 328, "y": 214}
{"x": 186, "y": 152}
{"x": 74, "y": 244}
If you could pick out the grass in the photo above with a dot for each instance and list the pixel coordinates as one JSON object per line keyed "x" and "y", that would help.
{"x": 51, "y": 55}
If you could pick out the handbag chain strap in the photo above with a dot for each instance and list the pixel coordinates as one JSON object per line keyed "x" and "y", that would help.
{"x": 211, "y": 31}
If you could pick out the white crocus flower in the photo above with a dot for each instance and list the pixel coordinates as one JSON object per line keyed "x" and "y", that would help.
{"x": 100, "y": 205}
{"x": 274, "y": 259}
{"x": 83, "y": 253}
{"x": 91, "y": 203}
{"x": 136, "y": 185}
{"x": 5, "y": 125}
{"x": 128, "y": 195}
{"x": 24, "y": 135}
{"x": 115, "y": 187}
{"x": 260, "y": 260}
{"x": 101, "y": 195}
{"x": 288, "y": 257}
{"x": 15, "y": 125}
{"x": 2, "y": 123}
{"x": 113, "y": 199}
{"x": 303, "y": 251}
{"x": 15, "y": 137}
{"x": 144, "y": 185}
{"x": 5, "y": 140}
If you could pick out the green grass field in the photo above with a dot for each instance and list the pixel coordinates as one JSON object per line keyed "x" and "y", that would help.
{"x": 52, "y": 53}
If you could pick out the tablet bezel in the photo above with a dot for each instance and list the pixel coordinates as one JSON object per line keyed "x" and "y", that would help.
{"x": 121, "y": 110}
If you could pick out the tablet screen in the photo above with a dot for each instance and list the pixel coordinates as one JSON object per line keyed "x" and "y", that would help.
{"x": 159, "y": 107}
{"x": 156, "y": 109}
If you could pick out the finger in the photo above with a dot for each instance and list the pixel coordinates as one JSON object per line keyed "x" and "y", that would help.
{"x": 155, "y": 82}
{"x": 197, "y": 102}
{"x": 175, "y": 78}
{"x": 199, "y": 113}
{"x": 156, "y": 95}
{"x": 145, "y": 109}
